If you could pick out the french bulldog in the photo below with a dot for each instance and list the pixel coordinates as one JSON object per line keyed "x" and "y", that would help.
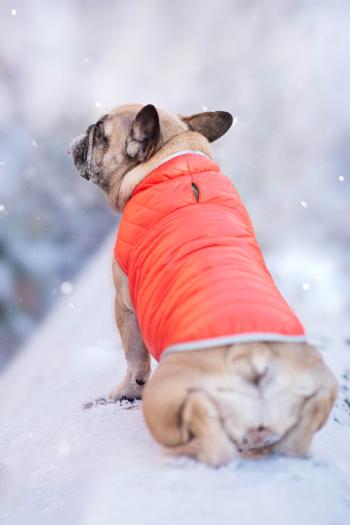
{"x": 218, "y": 403}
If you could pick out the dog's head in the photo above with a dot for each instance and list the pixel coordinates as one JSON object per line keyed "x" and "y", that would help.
{"x": 131, "y": 135}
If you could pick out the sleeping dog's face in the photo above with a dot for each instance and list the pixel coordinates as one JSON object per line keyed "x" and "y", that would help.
{"x": 132, "y": 134}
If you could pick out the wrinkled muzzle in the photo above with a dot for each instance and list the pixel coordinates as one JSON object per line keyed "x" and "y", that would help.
{"x": 81, "y": 150}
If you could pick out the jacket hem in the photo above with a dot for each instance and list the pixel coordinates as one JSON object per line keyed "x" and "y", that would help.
{"x": 201, "y": 344}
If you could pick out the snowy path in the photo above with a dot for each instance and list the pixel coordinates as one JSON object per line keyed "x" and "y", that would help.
{"x": 62, "y": 465}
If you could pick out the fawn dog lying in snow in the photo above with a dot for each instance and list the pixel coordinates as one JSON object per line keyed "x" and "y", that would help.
{"x": 236, "y": 375}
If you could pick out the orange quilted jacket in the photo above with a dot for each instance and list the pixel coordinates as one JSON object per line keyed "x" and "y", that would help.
{"x": 197, "y": 277}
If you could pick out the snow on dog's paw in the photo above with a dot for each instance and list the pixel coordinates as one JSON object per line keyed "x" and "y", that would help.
{"x": 129, "y": 404}
{"x": 128, "y": 391}
{"x": 125, "y": 401}
{"x": 96, "y": 402}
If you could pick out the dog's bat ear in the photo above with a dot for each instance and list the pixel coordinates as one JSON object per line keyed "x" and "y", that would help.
{"x": 211, "y": 124}
{"x": 144, "y": 134}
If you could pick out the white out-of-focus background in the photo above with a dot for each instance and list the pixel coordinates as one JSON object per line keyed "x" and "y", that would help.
{"x": 281, "y": 67}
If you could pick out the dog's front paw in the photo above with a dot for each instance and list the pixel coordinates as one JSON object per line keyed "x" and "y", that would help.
{"x": 126, "y": 391}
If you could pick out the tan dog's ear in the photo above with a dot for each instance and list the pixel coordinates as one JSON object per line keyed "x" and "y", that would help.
{"x": 144, "y": 134}
{"x": 211, "y": 124}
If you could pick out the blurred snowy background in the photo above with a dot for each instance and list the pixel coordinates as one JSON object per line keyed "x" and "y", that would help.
{"x": 281, "y": 67}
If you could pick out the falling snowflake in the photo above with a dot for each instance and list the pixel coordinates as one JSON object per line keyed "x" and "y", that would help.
{"x": 204, "y": 108}
{"x": 86, "y": 60}
{"x": 341, "y": 178}
{"x": 63, "y": 449}
{"x": 66, "y": 288}
{"x": 34, "y": 143}
{"x": 13, "y": 12}
{"x": 2, "y": 163}
{"x": 235, "y": 121}
{"x": 98, "y": 104}
{"x": 304, "y": 204}
{"x": 306, "y": 287}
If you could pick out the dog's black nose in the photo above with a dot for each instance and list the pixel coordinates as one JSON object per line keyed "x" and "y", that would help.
{"x": 140, "y": 382}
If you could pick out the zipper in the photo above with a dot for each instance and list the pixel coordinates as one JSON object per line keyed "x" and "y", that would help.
{"x": 195, "y": 190}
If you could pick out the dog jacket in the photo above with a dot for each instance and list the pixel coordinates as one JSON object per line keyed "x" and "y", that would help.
{"x": 197, "y": 277}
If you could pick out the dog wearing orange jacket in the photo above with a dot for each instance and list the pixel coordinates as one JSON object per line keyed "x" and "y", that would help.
{"x": 236, "y": 374}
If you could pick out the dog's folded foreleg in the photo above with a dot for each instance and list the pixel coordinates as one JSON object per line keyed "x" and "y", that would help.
{"x": 136, "y": 354}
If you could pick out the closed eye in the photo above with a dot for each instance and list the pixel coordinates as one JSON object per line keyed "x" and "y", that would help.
{"x": 99, "y": 133}
{"x": 96, "y": 136}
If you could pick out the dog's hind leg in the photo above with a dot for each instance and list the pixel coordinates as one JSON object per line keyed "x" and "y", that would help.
{"x": 314, "y": 413}
{"x": 209, "y": 442}
{"x": 184, "y": 418}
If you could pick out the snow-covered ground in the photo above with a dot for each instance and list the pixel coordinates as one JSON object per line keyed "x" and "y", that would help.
{"x": 60, "y": 464}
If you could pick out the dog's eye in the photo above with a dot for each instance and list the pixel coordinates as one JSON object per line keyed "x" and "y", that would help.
{"x": 98, "y": 131}
{"x": 99, "y": 135}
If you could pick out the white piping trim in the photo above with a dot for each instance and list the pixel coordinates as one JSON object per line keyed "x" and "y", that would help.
{"x": 234, "y": 339}
{"x": 178, "y": 154}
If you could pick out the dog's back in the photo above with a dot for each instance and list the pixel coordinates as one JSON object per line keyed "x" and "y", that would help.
{"x": 196, "y": 273}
